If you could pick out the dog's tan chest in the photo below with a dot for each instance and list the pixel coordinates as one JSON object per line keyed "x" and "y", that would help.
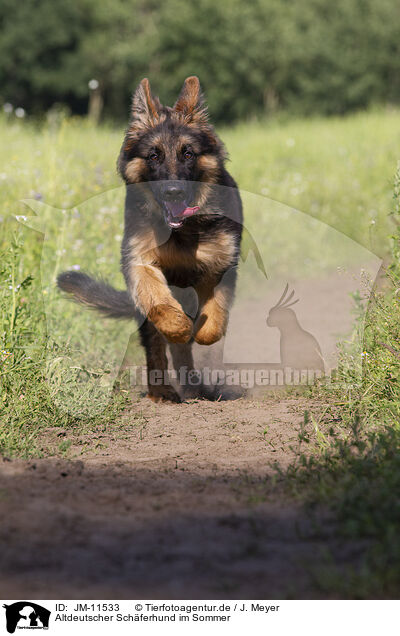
{"x": 213, "y": 254}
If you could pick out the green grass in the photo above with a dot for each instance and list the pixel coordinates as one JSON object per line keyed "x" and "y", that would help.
{"x": 338, "y": 170}
{"x": 349, "y": 462}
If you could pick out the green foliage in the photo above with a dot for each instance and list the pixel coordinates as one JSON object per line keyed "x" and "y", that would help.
{"x": 307, "y": 56}
{"x": 48, "y": 164}
{"x": 356, "y": 472}
{"x": 27, "y": 405}
{"x": 51, "y": 49}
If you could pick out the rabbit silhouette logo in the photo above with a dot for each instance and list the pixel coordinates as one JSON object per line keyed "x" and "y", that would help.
{"x": 299, "y": 349}
{"x": 26, "y": 615}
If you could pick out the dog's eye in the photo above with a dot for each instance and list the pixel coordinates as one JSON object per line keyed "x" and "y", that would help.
{"x": 188, "y": 154}
{"x": 154, "y": 156}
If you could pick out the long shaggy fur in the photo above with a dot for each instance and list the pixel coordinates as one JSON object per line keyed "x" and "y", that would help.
{"x": 97, "y": 294}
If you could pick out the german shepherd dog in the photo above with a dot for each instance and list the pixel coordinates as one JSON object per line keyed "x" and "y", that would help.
{"x": 183, "y": 227}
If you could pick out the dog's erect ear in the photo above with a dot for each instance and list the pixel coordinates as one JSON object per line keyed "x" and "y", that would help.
{"x": 190, "y": 104}
{"x": 145, "y": 108}
{"x": 145, "y": 114}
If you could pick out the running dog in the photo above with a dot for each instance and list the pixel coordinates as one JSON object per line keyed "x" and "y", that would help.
{"x": 183, "y": 228}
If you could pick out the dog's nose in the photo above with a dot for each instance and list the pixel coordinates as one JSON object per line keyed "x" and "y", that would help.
{"x": 174, "y": 193}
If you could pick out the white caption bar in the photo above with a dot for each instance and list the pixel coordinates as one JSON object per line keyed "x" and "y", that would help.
{"x": 191, "y": 617}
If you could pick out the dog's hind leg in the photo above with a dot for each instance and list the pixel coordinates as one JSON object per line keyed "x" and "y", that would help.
{"x": 189, "y": 378}
{"x": 159, "y": 387}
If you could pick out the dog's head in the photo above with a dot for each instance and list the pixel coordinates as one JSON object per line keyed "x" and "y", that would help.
{"x": 174, "y": 150}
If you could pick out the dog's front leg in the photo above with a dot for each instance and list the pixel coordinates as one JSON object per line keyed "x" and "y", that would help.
{"x": 152, "y": 296}
{"x": 215, "y": 302}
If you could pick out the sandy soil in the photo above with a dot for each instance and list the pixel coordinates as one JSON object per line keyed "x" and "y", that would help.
{"x": 178, "y": 501}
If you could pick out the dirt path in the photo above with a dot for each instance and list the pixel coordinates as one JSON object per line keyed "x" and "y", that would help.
{"x": 178, "y": 500}
{"x": 174, "y": 501}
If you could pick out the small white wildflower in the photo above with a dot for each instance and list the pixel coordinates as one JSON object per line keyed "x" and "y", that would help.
{"x": 21, "y": 217}
{"x": 8, "y": 108}
{"x": 76, "y": 267}
{"x": 20, "y": 113}
{"x": 93, "y": 84}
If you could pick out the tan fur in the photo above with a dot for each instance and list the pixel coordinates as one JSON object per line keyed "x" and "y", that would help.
{"x": 151, "y": 103}
{"x": 202, "y": 195}
{"x": 189, "y": 96}
{"x": 184, "y": 140}
{"x": 151, "y": 293}
{"x": 208, "y": 164}
{"x": 135, "y": 170}
{"x": 189, "y": 106}
{"x": 212, "y": 256}
{"x": 142, "y": 246}
{"x": 153, "y": 297}
{"x": 172, "y": 322}
{"x": 145, "y": 113}
{"x": 213, "y": 319}
{"x": 215, "y": 254}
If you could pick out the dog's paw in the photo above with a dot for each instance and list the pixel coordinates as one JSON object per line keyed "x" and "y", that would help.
{"x": 163, "y": 394}
{"x": 209, "y": 330}
{"x": 173, "y": 323}
{"x": 200, "y": 392}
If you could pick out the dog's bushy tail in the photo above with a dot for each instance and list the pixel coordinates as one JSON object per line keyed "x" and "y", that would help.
{"x": 96, "y": 294}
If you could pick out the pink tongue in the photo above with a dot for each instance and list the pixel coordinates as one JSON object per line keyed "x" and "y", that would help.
{"x": 190, "y": 211}
{"x": 179, "y": 210}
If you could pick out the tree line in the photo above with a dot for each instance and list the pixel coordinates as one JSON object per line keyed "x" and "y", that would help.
{"x": 252, "y": 57}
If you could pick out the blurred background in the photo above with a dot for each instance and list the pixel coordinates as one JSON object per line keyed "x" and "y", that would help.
{"x": 303, "y": 57}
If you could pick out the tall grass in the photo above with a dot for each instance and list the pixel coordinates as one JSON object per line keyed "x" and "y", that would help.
{"x": 356, "y": 470}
